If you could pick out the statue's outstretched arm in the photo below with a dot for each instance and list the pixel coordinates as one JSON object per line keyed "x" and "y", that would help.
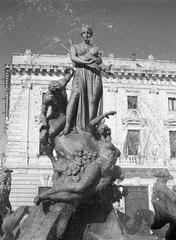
{"x": 64, "y": 81}
{"x": 60, "y": 196}
{"x": 90, "y": 178}
{"x": 70, "y": 191}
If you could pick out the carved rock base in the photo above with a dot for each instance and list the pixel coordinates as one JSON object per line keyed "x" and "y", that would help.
{"x": 41, "y": 224}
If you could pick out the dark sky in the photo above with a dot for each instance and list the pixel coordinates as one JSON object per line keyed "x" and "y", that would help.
{"x": 121, "y": 27}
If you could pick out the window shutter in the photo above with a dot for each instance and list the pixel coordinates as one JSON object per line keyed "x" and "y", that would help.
{"x": 133, "y": 142}
{"x": 172, "y": 136}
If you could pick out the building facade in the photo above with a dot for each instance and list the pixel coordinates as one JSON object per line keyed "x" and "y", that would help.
{"x": 143, "y": 93}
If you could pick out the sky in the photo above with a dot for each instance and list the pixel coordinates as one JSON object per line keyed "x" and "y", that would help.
{"x": 121, "y": 27}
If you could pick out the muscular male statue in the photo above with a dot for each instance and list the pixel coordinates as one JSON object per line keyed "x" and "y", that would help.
{"x": 56, "y": 98}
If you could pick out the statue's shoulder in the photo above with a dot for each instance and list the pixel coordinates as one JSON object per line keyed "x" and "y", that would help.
{"x": 94, "y": 48}
{"x": 80, "y": 48}
{"x": 75, "y": 46}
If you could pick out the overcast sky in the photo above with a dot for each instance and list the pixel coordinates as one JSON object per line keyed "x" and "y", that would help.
{"x": 121, "y": 27}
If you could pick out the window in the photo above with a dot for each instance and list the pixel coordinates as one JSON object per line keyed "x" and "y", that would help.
{"x": 172, "y": 136}
{"x": 132, "y": 142}
{"x": 172, "y": 104}
{"x": 132, "y": 102}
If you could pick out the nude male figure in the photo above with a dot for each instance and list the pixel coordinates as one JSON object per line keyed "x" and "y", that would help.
{"x": 56, "y": 98}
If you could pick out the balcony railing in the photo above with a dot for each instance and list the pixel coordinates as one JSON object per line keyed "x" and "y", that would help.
{"x": 135, "y": 160}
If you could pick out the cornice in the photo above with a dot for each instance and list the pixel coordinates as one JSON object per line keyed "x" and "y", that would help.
{"x": 171, "y": 122}
{"x": 36, "y": 70}
{"x": 119, "y": 73}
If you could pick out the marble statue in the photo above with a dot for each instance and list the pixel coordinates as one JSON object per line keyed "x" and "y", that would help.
{"x": 85, "y": 102}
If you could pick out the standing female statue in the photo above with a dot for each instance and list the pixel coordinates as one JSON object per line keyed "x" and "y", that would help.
{"x": 86, "y": 97}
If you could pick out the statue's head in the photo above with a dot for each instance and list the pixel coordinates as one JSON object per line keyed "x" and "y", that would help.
{"x": 163, "y": 174}
{"x": 54, "y": 85}
{"x": 86, "y": 32}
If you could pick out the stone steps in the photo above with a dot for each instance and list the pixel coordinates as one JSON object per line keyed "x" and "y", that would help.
{"x": 14, "y": 149}
{"x": 25, "y": 183}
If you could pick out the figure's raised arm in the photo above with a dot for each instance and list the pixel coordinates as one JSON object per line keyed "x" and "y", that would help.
{"x": 45, "y": 106}
{"x": 68, "y": 74}
{"x": 74, "y": 190}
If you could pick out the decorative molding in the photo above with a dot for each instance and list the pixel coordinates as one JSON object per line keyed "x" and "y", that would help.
{"x": 120, "y": 72}
{"x": 170, "y": 122}
{"x": 134, "y": 119}
{"x": 23, "y": 69}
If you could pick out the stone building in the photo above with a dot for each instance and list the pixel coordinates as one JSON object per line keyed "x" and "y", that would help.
{"x": 143, "y": 93}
